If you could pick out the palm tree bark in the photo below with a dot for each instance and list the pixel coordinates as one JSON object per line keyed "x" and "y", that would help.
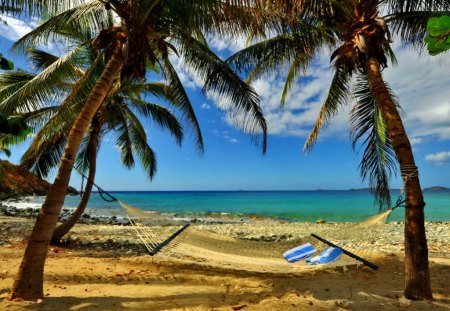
{"x": 28, "y": 284}
{"x": 417, "y": 275}
{"x": 91, "y": 154}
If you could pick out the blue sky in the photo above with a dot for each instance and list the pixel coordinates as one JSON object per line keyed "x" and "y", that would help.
{"x": 232, "y": 162}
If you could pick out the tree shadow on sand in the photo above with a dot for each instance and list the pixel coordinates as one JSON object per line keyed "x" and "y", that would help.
{"x": 192, "y": 287}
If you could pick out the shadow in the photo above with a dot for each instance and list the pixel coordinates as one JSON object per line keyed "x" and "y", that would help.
{"x": 190, "y": 301}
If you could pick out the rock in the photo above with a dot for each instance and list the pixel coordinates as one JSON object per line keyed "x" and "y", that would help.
{"x": 240, "y": 307}
{"x": 320, "y": 221}
{"x": 403, "y": 302}
{"x": 16, "y": 181}
{"x": 344, "y": 303}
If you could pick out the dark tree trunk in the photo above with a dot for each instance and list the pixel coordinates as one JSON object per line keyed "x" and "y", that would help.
{"x": 417, "y": 275}
{"x": 28, "y": 284}
{"x": 91, "y": 154}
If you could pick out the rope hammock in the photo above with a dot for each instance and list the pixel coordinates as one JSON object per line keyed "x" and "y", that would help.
{"x": 170, "y": 238}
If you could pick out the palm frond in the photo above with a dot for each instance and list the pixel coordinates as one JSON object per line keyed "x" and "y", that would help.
{"x": 141, "y": 148}
{"x": 220, "y": 17}
{"x": 412, "y": 26}
{"x": 407, "y": 6}
{"x": 42, "y": 157}
{"x": 39, "y": 59}
{"x": 124, "y": 140}
{"x": 269, "y": 55}
{"x": 46, "y": 87}
{"x": 379, "y": 161}
{"x": 12, "y": 81}
{"x": 221, "y": 80}
{"x": 38, "y": 118}
{"x": 182, "y": 101}
{"x": 81, "y": 159}
{"x": 337, "y": 97}
{"x": 36, "y": 7}
{"x": 86, "y": 16}
{"x": 161, "y": 116}
{"x": 298, "y": 65}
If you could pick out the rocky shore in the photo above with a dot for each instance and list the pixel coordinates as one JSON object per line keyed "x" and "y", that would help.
{"x": 387, "y": 237}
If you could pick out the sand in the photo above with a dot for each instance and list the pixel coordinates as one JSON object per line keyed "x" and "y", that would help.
{"x": 105, "y": 268}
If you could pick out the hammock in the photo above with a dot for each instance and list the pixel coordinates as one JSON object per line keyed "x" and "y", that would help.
{"x": 171, "y": 238}
{"x": 174, "y": 241}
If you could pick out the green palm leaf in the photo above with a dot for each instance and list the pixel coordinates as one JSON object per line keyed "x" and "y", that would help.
{"x": 46, "y": 87}
{"x": 90, "y": 16}
{"x": 182, "y": 101}
{"x": 161, "y": 116}
{"x": 336, "y": 98}
{"x": 220, "y": 79}
{"x": 379, "y": 161}
{"x": 140, "y": 146}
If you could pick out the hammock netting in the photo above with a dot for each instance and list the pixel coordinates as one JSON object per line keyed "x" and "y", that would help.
{"x": 201, "y": 245}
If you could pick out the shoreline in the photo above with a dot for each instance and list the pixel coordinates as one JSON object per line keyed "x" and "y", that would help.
{"x": 24, "y": 207}
{"x": 389, "y": 236}
{"x": 106, "y": 267}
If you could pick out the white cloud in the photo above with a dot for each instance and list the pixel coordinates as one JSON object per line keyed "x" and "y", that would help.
{"x": 421, "y": 83}
{"x": 415, "y": 140}
{"x": 439, "y": 157}
{"x": 205, "y": 106}
{"x": 225, "y": 135}
{"x": 14, "y": 29}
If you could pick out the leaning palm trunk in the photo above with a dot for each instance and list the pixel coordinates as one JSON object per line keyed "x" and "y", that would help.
{"x": 91, "y": 154}
{"x": 417, "y": 276}
{"x": 28, "y": 284}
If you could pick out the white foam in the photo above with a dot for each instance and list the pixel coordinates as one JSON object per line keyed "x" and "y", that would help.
{"x": 24, "y": 205}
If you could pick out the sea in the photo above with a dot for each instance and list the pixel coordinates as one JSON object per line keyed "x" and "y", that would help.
{"x": 304, "y": 206}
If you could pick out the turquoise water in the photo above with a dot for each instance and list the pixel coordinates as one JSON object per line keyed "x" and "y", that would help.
{"x": 334, "y": 206}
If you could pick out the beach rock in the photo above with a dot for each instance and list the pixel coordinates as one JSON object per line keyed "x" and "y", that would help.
{"x": 403, "y": 302}
{"x": 345, "y": 304}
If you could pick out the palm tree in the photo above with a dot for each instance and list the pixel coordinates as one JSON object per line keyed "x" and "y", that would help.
{"x": 361, "y": 41}
{"x": 148, "y": 34}
{"x": 115, "y": 114}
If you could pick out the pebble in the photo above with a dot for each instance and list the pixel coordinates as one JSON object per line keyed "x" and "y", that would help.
{"x": 403, "y": 302}
{"x": 389, "y": 237}
{"x": 344, "y": 303}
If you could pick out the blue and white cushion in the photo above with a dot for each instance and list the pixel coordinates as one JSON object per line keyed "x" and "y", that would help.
{"x": 328, "y": 255}
{"x": 299, "y": 252}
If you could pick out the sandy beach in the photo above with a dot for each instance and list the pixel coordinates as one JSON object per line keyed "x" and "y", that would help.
{"x": 220, "y": 267}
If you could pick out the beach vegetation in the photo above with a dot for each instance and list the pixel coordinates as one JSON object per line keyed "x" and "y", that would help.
{"x": 438, "y": 37}
{"x": 149, "y": 33}
{"x": 359, "y": 39}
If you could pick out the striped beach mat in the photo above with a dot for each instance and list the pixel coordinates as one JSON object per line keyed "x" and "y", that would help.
{"x": 299, "y": 252}
{"x": 328, "y": 255}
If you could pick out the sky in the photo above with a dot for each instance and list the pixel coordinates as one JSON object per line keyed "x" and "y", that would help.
{"x": 232, "y": 161}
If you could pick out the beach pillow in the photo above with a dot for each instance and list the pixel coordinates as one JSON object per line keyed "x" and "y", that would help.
{"x": 328, "y": 255}
{"x": 299, "y": 252}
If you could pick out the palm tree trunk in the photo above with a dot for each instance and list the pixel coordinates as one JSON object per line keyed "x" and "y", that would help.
{"x": 91, "y": 153}
{"x": 417, "y": 275}
{"x": 28, "y": 284}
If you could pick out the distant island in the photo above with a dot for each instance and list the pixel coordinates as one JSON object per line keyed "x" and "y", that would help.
{"x": 436, "y": 188}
